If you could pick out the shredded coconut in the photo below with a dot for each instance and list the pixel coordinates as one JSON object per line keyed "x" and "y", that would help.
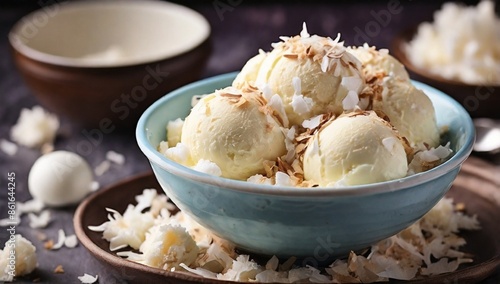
{"x": 208, "y": 167}
{"x": 130, "y": 228}
{"x": 70, "y": 241}
{"x": 102, "y": 168}
{"x": 276, "y": 103}
{"x": 312, "y": 122}
{"x": 35, "y": 127}
{"x": 350, "y": 101}
{"x": 462, "y": 43}
{"x": 428, "y": 247}
{"x": 178, "y": 153}
{"x": 115, "y": 157}
{"x": 283, "y": 179}
{"x": 25, "y": 258}
{"x": 94, "y": 186}
{"x": 300, "y": 104}
{"x": 60, "y": 240}
{"x": 260, "y": 179}
{"x": 174, "y": 130}
{"x": 40, "y": 221}
{"x": 88, "y": 279}
{"x": 304, "y": 33}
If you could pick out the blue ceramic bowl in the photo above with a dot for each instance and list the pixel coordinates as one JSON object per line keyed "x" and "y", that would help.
{"x": 316, "y": 224}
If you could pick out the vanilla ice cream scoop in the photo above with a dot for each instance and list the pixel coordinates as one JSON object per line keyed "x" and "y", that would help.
{"x": 60, "y": 178}
{"x": 410, "y": 111}
{"x": 379, "y": 61}
{"x": 236, "y": 130}
{"x": 248, "y": 73}
{"x": 311, "y": 74}
{"x": 356, "y": 148}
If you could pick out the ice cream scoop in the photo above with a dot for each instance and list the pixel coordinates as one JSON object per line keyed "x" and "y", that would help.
{"x": 379, "y": 61}
{"x": 60, "y": 178}
{"x": 248, "y": 73}
{"x": 356, "y": 148}
{"x": 236, "y": 130}
{"x": 410, "y": 111}
{"x": 308, "y": 72}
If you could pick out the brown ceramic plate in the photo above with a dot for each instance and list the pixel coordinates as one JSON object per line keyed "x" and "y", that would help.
{"x": 483, "y": 244}
{"x": 478, "y": 100}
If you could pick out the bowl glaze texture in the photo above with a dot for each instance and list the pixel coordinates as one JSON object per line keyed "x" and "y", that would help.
{"x": 316, "y": 224}
{"x": 102, "y": 63}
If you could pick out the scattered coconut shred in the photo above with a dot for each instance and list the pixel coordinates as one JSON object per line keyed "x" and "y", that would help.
{"x": 177, "y": 243}
{"x": 35, "y": 128}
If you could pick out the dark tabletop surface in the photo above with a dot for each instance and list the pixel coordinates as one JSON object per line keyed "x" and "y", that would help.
{"x": 237, "y": 33}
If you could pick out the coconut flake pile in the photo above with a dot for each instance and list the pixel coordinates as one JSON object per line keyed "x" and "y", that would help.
{"x": 26, "y": 260}
{"x": 35, "y": 128}
{"x": 429, "y": 247}
{"x": 462, "y": 43}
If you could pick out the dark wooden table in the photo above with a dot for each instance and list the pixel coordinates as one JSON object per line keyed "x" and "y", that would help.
{"x": 239, "y": 29}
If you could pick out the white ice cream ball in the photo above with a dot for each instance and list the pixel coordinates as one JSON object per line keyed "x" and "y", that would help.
{"x": 248, "y": 73}
{"x": 60, "y": 178}
{"x": 410, "y": 111}
{"x": 234, "y": 129}
{"x": 357, "y": 148}
{"x": 320, "y": 64}
{"x": 379, "y": 61}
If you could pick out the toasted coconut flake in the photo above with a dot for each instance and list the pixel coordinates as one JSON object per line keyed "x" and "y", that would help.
{"x": 48, "y": 244}
{"x": 59, "y": 269}
{"x": 291, "y": 55}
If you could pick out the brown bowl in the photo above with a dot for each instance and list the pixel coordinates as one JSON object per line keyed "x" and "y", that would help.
{"x": 475, "y": 186}
{"x": 101, "y": 63}
{"x": 478, "y": 100}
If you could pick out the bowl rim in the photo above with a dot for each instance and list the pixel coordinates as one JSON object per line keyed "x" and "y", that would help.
{"x": 398, "y": 49}
{"x": 18, "y": 45}
{"x": 243, "y": 186}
